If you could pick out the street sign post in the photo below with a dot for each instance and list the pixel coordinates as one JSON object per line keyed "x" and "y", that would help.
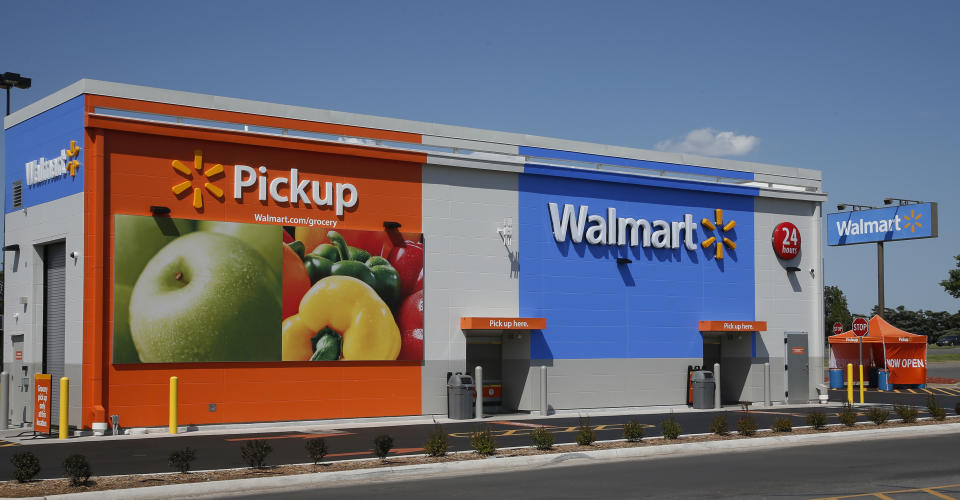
{"x": 860, "y": 327}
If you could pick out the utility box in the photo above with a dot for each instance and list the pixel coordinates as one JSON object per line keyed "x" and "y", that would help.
{"x": 460, "y": 396}
{"x": 704, "y": 386}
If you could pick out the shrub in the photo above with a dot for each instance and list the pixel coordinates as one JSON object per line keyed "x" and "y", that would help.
{"x": 436, "y": 445}
{"x": 847, "y": 415}
{"x": 586, "y": 436}
{"x": 254, "y": 453}
{"x": 719, "y": 424}
{"x": 181, "y": 459}
{"x": 382, "y": 445}
{"x": 482, "y": 441}
{"x": 782, "y": 424}
{"x": 747, "y": 426}
{"x": 936, "y": 411}
{"x": 878, "y": 416}
{"x": 316, "y": 449}
{"x": 817, "y": 419}
{"x": 671, "y": 428}
{"x": 542, "y": 438}
{"x": 907, "y": 414}
{"x": 26, "y": 465}
{"x": 633, "y": 431}
{"x": 77, "y": 469}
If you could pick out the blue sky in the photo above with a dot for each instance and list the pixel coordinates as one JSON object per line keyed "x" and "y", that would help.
{"x": 866, "y": 91}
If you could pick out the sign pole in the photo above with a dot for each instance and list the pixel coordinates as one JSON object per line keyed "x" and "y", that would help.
{"x": 880, "y": 304}
{"x": 861, "y": 358}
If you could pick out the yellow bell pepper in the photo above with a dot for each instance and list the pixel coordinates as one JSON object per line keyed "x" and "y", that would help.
{"x": 354, "y": 309}
{"x": 296, "y": 344}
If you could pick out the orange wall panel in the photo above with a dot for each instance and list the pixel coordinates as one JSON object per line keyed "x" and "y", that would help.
{"x": 137, "y": 173}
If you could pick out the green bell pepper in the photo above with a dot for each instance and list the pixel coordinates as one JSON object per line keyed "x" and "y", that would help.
{"x": 374, "y": 271}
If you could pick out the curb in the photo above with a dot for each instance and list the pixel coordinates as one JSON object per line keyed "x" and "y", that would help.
{"x": 494, "y": 464}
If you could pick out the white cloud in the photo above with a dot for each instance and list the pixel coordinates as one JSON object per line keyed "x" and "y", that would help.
{"x": 710, "y": 142}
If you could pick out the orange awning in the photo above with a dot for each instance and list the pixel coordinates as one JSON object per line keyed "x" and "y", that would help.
{"x": 733, "y": 326}
{"x": 500, "y": 323}
{"x": 890, "y": 334}
{"x": 848, "y": 337}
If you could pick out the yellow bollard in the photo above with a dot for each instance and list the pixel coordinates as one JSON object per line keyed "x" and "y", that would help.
{"x": 861, "y": 384}
{"x": 850, "y": 383}
{"x": 174, "y": 402}
{"x": 64, "y": 407}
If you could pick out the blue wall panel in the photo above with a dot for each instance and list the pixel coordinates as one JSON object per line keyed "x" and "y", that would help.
{"x": 596, "y": 308}
{"x": 45, "y": 136}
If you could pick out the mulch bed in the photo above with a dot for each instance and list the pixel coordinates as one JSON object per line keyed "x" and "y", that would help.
{"x": 61, "y": 486}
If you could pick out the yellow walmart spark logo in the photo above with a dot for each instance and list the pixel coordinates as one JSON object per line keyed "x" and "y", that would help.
{"x": 182, "y": 187}
{"x": 73, "y": 163}
{"x": 912, "y": 223}
{"x": 720, "y": 228}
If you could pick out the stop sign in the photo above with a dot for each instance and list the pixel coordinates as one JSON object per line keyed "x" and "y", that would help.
{"x": 860, "y": 327}
{"x": 837, "y": 328}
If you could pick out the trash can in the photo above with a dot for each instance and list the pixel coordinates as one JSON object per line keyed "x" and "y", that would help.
{"x": 460, "y": 396}
{"x": 883, "y": 380}
{"x": 836, "y": 378}
{"x": 704, "y": 386}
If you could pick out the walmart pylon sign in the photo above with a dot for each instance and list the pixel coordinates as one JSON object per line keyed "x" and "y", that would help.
{"x": 901, "y": 222}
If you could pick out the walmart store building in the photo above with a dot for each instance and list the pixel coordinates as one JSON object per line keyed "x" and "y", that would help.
{"x": 152, "y": 233}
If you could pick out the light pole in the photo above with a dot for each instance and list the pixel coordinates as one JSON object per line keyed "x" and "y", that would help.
{"x": 8, "y": 80}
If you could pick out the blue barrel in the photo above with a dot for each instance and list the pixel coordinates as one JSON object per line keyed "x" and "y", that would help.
{"x": 883, "y": 380}
{"x": 836, "y": 378}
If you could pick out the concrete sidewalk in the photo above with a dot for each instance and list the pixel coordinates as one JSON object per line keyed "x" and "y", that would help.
{"x": 24, "y": 435}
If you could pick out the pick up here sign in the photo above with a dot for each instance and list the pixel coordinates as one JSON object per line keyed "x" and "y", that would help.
{"x": 902, "y": 222}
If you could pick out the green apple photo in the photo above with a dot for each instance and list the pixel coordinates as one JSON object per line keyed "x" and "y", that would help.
{"x": 141, "y": 238}
{"x": 267, "y": 240}
{"x": 203, "y": 297}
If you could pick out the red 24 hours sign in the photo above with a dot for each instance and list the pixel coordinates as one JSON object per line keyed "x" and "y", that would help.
{"x": 786, "y": 241}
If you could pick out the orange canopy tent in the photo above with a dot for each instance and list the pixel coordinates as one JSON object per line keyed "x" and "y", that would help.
{"x": 884, "y": 346}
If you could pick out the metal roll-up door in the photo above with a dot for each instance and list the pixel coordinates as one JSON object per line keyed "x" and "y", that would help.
{"x": 54, "y": 320}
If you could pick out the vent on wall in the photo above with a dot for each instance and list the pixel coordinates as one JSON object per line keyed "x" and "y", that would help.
{"x": 17, "y": 194}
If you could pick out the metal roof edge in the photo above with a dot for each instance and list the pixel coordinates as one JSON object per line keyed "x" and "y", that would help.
{"x": 46, "y": 103}
{"x": 449, "y": 133}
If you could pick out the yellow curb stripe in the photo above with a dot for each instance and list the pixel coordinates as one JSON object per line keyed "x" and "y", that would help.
{"x": 883, "y": 494}
{"x": 937, "y": 494}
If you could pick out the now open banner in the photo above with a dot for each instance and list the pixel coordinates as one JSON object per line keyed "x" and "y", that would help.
{"x": 907, "y": 362}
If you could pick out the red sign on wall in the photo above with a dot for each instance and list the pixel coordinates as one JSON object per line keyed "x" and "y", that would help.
{"x": 18, "y": 355}
{"x": 860, "y": 326}
{"x": 786, "y": 241}
{"x": 837, "y": 328}
{"x": 41, "y": 402}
